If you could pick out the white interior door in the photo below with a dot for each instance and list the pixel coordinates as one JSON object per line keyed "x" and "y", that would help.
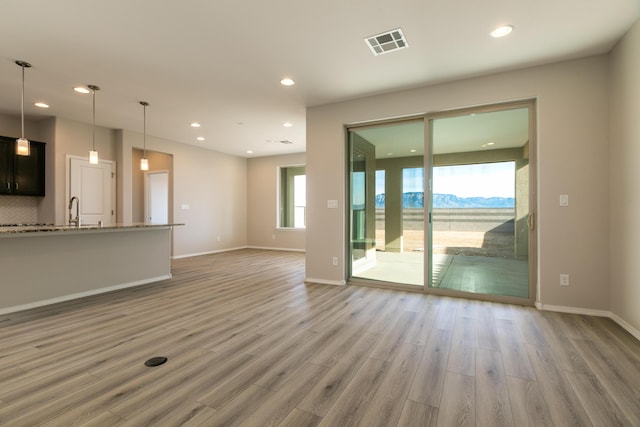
{"x": 156, "y": 195}
{"x": 94, "y": 186}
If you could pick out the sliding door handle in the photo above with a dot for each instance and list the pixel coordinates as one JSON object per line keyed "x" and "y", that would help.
{"x": 531, "y": 221}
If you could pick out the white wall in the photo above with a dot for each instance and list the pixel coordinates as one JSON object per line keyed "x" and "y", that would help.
{"x": 572, "y": 159}
{"x": 76, "y": 139}
{"x": 212, "y": 184}
{"x": 262, "y": 204}
{"x": 625, "y": 178}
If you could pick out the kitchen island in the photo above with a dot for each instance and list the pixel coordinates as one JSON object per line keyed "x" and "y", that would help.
{"x": 42, "y": 265}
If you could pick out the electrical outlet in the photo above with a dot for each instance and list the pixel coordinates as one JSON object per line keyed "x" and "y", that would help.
{"x": 564, "y": 280}
{"x": 218, "y": 238}
{"x": 273, "y": 237}
{"x": 335, "y": 260}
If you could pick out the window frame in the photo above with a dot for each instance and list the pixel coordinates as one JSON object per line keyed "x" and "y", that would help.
{"x": 285, "y": 211}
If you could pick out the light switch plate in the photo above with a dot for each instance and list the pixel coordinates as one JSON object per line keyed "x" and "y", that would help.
{"x": 332, "y": 204}
{"x": 564, "y": 200}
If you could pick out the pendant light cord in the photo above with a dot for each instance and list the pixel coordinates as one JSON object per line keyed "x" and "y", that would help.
{"x": 144, "y": 130}
{"x": 94, "y": 120}
{"x": 22, "y": 104}
{"x": 93, "y": 89}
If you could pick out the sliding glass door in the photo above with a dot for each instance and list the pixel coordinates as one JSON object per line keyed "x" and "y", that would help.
{"x": 482, "y": 221}
{"x": 386, "y": 175}
{"x": 456, "y": 196}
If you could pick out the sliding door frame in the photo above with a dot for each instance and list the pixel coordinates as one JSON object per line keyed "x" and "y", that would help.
{"x": 531, "y": 105}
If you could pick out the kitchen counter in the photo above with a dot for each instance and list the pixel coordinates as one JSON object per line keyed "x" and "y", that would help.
{"x": 7, "y": 231}
{"x": 44, "y": 265}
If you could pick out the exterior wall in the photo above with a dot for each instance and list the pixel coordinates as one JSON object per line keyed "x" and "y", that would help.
{"x": 572, "y": 148}
{"x": 625, "y": 175}
{"x": 262, "y": 204}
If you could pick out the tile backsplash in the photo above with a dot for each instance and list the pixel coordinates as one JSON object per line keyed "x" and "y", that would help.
{"x": 18, "y": 210}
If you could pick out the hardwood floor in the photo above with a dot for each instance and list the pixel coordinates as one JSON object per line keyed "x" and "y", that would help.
{"x": 248, "y": 343}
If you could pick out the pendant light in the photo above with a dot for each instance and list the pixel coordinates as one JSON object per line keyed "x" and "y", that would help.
{"x": 93, "y": 154}
{"x": 23, "y": 147}
{"x": 144, "y": 162}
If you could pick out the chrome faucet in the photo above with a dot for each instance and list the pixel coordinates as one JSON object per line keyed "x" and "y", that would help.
{"x": 75, "y": 221}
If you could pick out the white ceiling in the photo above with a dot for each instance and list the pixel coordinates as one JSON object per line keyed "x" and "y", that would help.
{"x": 220, "y": 62}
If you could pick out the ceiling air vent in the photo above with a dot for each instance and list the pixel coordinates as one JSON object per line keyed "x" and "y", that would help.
{"x": 285, "y": 141}
{"x": 386, "y": 42}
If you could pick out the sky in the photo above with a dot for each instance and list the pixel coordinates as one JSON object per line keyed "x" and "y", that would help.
{"x": 481, "y": 180}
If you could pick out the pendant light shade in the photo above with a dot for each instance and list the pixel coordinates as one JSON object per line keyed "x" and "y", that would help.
{"x": 93, "y": 154}
{"x": 23, "y": 148}
{"x": 144, "y": 162}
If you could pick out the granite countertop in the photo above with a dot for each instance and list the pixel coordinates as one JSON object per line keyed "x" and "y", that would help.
{"x": 30, "y": 229}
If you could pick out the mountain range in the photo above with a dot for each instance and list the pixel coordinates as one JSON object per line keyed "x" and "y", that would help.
{"x": 416, "y": 200}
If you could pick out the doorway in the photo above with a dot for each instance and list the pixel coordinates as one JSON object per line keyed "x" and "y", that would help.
{"x": 156, "y": 197}
{"x": 94, "y": 186}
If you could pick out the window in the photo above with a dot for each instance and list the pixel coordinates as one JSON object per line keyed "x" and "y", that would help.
{"x": 293, "y": 197}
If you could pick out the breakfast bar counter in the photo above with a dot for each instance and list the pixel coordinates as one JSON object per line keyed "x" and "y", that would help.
{"x": 42, "y": 265}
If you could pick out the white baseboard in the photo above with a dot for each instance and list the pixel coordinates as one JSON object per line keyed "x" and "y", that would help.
{"x": 208, "y": 252}
{"x": 325, "y": 282}
{"x": 77, "y": 295}
{"x": 589, "y": 312}
{"x": 267, "y": 248}
{"x": 573, "y": 310}
{"x": 633, "y": 331}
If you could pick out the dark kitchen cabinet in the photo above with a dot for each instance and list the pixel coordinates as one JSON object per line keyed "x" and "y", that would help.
{"x": 21, "y": 175}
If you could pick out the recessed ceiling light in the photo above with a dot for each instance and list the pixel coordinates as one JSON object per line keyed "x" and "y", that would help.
{"x": 200, "y": 138}
{"x": 287, "y": 82}
{"x": 413, "y": 150}
{"x": 389, "y": 154}
{"x": 287, "y": 124}
{"x": 491, "y": 143}
{"x": 502, "y": 31}
{"x": 249, "y": 152}
{"x": 81, "y": 89}
{"x": 195, "y": 125}
{"x": 41, "y": 104}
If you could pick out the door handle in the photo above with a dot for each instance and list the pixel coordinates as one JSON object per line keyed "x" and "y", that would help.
{"x": 531, "y": 221}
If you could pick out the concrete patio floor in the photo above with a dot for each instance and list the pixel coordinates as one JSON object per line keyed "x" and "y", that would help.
{"x": 475, "y": 274}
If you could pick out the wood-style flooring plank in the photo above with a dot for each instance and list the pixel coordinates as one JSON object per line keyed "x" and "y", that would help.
{"x": 527, "y": 403}
{"x": 458, "y": 405}
{"x": 328, "y": 389}
{"x": 298, "y": 418}
{"x": 562, "y": 402}
{"x": 386, "y": 405}
{"x": 417, "y": 414}
{"x": 492, "y": 393}
{"x": 602, "y": 410}
{"x": 462, "y": 353}
{"x": 352, "y": 406}
{"x": 428, "y": 382}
